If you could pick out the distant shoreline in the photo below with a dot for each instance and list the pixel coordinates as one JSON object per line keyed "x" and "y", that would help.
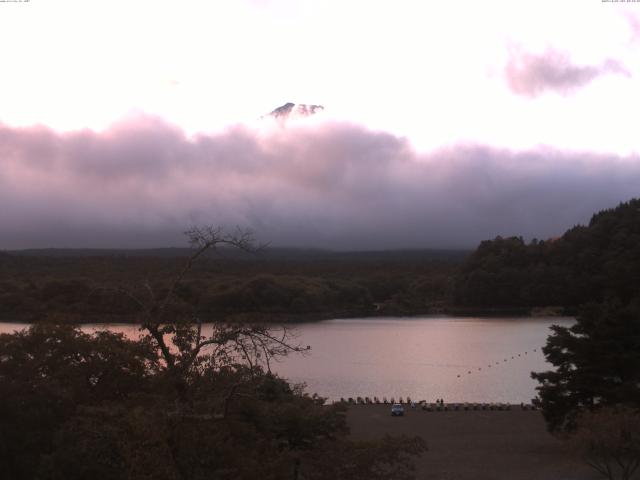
{"x": 257, "y": 317}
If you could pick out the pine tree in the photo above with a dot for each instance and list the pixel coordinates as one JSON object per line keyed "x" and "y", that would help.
{"x": 597, "y": 364}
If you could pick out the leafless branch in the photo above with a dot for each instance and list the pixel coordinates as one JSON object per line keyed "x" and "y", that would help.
{"x": 182, "y": 345}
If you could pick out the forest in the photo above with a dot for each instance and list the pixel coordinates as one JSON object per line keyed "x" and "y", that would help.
{"x": 78, "y": 286}
{"x": 505, "y": 275}
{"x": 588, "y": 263}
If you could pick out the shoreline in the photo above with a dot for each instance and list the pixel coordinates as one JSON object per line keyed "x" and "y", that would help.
{"x": 286, "y": 318}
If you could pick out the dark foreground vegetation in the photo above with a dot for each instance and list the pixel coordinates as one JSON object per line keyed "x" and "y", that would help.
{"x": 78, "y": 406}
{"x": 592, "y": 397}
{"x": 176, "y": 404}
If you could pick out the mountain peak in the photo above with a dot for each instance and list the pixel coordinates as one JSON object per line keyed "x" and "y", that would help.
{"x": 292, "y": 110}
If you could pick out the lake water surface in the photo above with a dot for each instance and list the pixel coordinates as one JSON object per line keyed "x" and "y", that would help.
{"x": 460, "y": 359}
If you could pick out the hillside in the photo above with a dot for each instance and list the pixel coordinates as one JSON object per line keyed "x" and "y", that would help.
{"x": 587, "y": 263}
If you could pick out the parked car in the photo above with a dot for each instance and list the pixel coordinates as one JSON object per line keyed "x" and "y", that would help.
{"x": 397, "y": 410}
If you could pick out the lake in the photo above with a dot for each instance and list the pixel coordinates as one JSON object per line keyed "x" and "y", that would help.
{"x": 459, "y": 359}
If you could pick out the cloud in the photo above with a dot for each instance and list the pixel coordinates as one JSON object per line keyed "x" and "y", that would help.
{"x": 634, "y": 25}
{"x": 531, "y": 75}
{"x": 335, "y": 185}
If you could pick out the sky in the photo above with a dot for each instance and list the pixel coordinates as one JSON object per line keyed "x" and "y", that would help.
{"x": 122, "y": 123}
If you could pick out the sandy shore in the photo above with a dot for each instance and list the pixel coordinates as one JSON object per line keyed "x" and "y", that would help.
{"x": 478, "y": 445}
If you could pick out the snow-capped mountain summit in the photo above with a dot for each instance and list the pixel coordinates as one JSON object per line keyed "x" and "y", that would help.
{"x": 292, "y": 110}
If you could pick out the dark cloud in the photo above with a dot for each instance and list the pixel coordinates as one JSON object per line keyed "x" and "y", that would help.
{"x": 335, "y": 185}
{"x": 531, "y": 75}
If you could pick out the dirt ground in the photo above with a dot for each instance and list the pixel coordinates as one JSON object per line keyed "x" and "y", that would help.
{"x": 478, "y": 445}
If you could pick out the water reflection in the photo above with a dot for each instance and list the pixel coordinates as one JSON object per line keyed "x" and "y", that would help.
{"x": 458, "y": 359}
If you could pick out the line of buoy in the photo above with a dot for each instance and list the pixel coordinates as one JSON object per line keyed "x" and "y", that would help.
{"x": 498, "y": 362}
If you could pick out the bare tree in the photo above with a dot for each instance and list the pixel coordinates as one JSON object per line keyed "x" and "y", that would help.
{"x": 182, "y": 345}
{"x": 609, "y": 441}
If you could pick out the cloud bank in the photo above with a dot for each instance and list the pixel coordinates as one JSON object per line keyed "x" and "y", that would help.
{"x": 531, "y": 75}
{"x": 334, "y": 185}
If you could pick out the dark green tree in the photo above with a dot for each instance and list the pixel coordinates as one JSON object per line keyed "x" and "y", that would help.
{"x": 78, "y": 406}
{"x": 47, "y": 372}
{"x": 597, "y": 363}
{"x": 587, "y": 263}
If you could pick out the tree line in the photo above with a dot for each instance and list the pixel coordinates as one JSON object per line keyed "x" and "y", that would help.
{"x": 592, "y": 396}
{"x": 289, "y": 286}
{"x": 588, "y": 263}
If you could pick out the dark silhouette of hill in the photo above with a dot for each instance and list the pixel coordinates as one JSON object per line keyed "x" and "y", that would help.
{"x": 588, "y": 263}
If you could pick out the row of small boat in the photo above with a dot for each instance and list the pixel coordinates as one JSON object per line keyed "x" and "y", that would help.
{"x": 435, "y": 407}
